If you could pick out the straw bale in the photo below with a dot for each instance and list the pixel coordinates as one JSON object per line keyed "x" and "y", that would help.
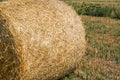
{"x": 39, "y": 40}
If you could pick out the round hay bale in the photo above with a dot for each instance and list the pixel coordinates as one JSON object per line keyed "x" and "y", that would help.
{"x": 39, "y": 40}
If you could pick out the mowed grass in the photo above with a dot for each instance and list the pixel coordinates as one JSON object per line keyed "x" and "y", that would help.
{"x": 102, "y": 57}
{"x": 103, "y": 35}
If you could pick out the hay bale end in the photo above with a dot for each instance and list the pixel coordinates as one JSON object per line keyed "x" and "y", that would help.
{"x": 39, "y": 40}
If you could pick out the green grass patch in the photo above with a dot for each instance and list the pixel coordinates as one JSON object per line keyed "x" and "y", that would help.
{"x": 96, "y": 9}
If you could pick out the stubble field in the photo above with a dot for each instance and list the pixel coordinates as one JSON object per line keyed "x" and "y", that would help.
{"x": 102, "y": 58}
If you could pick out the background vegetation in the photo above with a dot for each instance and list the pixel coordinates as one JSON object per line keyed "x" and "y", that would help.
{"x": 105, "y": 8}
{"x": 102, "y": 57}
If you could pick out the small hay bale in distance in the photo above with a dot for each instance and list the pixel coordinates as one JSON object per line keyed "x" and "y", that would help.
{"x": 39, "y": 40}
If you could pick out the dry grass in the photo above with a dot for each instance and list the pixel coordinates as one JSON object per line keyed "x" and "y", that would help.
{"x": 39, "y": 40}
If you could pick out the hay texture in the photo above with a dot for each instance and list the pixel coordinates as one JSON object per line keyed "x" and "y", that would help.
{"x": 39, "y": 40}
